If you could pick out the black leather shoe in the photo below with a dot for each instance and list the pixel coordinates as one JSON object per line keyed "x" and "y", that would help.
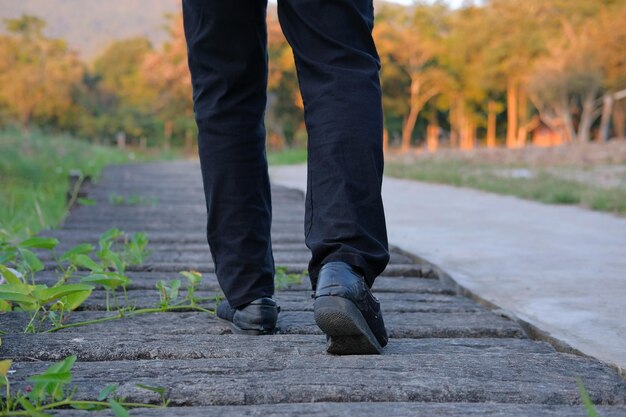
{"x": 347, "y": 312}
{"x": 256, "y": 318}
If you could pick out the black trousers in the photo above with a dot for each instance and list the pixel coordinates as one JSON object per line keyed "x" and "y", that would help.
{"x": 338, "y": 73}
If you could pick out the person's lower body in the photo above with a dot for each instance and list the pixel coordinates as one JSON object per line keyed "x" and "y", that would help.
{"x": 337, "y": 67}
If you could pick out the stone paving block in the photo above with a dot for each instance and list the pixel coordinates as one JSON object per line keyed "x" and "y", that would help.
{"x": 483, "y": 377}
{"x": 399, "y": 325}
{"x": 448, "y": 356}
{"x": 147, "y": 280}
{"x": 115, "y": 347}
{"x": 368, "y": 409}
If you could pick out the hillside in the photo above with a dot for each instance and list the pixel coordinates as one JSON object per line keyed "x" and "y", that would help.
{"x": 89, "y": 25}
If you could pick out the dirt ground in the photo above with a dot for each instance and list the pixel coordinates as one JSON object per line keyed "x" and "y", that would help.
{"x": 573, "y": 155}
{"x": 601, "y": 165}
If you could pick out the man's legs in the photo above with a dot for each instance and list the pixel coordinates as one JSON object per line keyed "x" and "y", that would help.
{"x": 226, "y": 42}
{"x": 338, "y": 68}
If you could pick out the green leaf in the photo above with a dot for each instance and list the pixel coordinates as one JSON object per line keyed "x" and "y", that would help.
{"x": 584, "y": 396}
{"x": 51, "y": 381}
{"x": 112, "y": 259}
{"x": 106, "y": 391}
{"x": 82, "y": 249}
{"x": 74, "y": 300}
{"x": 47, "y": 295}
{"x": 173, "y": 290}
{"x": 117, "y": 409}
{"x": 7, "y": 254}
{"x": 32, "y": 261}
{"x": 111, "y": 234}
{"x": 54, "y": 378}
{"x": 9, "y": 275}
{"x": 106, "y": 279}
{"x": 158, "y": 390}
{"x": 87, "y": 407}
{"x": 86, "y": 201}
{"x": 5, "y": 365}
{"x": 32, "y": 411}
{"x": 194, "y": 277}
{"x": 40, "y": 243}
{"x": 85, "y": 261}
{"x": 19, "y": 293}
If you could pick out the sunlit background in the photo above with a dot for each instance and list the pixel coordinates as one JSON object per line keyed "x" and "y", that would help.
{"x": 517, "y": 97}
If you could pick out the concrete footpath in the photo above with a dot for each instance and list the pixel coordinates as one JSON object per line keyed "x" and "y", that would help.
{"x": 448, "y": 356}
{"x": 561, "y": 269}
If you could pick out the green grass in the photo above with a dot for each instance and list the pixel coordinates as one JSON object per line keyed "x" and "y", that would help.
{"x": 34, "y": 176}
{"x": 288, "y": 156}
{"x": 541, "y": 186}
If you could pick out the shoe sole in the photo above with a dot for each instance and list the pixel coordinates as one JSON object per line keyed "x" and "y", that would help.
{"x": 348, "y": 332}
{"x": 239, "y": 330}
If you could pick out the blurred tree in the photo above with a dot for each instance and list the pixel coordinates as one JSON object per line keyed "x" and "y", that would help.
{"x": 566, "y": 85}
{"x": 120, "y": 70}
{"x": 285, "y": 114}
{"x": 166, "y": 76}
{"x": 471, "y": 80}
{"x": 37, "y": 74}
{"x": 516, "y": 39}
{"x": 409, "y": 45}
{"x": 610, "y": 39}
{"x": 585, "y": 61}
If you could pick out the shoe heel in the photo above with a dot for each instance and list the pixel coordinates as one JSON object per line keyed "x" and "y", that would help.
{"x": 347, "y": 330}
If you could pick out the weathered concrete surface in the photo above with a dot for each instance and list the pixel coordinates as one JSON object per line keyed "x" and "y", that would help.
{"x": 508, "y": 378}
{"x": 562, "y": 269}
{"x": 399, "y": 325}
{"x": 114, "y": 347}
{"x": 368, "y": 409}
{"x": 447, "y": 356}
{"x": 298, "y": 301}
{"x": 147, "y": 280}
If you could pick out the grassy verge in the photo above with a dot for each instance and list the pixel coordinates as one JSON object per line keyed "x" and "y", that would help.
{"x": 539, "y": 184}
{"x": 287, "y": 157}
{"x": 34, "y": 176}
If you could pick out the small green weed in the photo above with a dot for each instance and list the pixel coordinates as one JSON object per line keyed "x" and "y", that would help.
{"x": 51, "y": 390}
{"x": 107, "y": 265}
{"x": 283, "y": 279}
{"x": 131, "y": 200}
{"x": 287, "y": 156}
{"x": 584, "y": 396}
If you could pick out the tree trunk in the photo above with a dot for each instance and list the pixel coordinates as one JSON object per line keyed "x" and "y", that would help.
{"x": 605, "y": 120}
{"x": 491, "y": 124}
{"x": 168, "y": 128}
{"x": 432, "y": 137}
{"x": 411, "y": 119}
{"x": 454, "y": 134}
{"x": 464, "y": 127}
{"x": 470, "y": 134}
{"x": 566, "y": 120}
{"x": 587, "y": 116}
{"x": 407, "y": 128}
{"x": 619, "y": 119}
{"x": 511, "y": 111}
{"x": 522, "y": 131}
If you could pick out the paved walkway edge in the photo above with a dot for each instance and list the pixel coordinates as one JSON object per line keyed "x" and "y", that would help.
{"x": 295, "y": 177}
{"x": 533, "y": 331}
